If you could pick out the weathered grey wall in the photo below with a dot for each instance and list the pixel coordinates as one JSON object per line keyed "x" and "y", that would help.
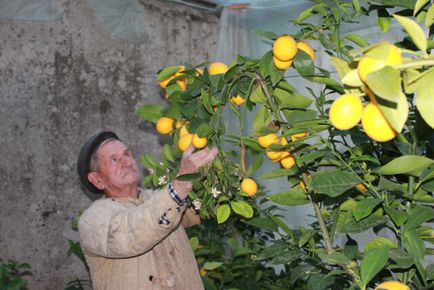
{"x": 60, "y": 82}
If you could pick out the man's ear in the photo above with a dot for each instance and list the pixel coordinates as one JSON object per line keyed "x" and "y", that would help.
{"x": 94, "y": 178}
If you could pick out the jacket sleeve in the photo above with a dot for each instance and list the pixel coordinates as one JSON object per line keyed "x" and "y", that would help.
{"x": 111, "y": 230}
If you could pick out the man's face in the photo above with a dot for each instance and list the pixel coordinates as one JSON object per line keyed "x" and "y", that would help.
{"x": 117, "y": 169}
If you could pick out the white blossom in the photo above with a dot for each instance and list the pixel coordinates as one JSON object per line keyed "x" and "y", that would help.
{"x": 162, "y": 180}
{"x": 161, "y": 163}
{"x": 197, "y": 204}
{"x": 215, "y": 192}
{"x": 151, "y": 171}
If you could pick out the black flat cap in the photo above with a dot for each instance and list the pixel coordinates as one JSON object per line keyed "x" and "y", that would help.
{"x": 83, "y": 162}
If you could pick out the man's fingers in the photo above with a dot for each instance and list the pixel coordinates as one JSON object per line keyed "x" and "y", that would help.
{"x": 205, "y": 156}
{"x": 188, "y": 151}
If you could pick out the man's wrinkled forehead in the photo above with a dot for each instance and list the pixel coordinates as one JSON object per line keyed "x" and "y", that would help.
{"x": 111, "y": 147}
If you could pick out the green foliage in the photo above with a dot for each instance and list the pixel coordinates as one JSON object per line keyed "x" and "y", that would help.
{"x": 12, "y": 275}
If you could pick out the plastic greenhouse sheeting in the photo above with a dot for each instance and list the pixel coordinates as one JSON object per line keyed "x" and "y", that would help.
{"x": 29, "y": 10}
{"x": 121, "y": 18}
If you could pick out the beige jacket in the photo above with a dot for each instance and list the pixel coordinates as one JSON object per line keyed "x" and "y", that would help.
{"x": 128, "y": 247}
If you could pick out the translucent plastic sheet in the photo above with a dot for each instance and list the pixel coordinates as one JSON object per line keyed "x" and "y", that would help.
{"x": 121, "y": 18}
{"x": 29, "y": 10}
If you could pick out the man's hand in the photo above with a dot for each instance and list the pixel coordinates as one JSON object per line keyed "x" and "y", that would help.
{"x": 190, "y": 163}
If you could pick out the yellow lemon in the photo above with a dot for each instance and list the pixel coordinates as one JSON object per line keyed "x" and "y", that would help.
{"x": 361, "y": 187}
{"x": 249, "y": 186}
{"x": 297, "y": 136}
{"x": 306, "y": 48}
{"x": 274, "y": 155}
{"x": 199, "y": 142}
{"x": 237, "y": 100}
{"x": 266, "y": 140}
{"x": 287, "y": 162}
{"x": 346, "y": 111}
{"x": 284, "y": 154}
{"x": 285, "y": 48}
{"x": 367, "y": 65}
{"x": 185, "y": 141}
{"x": 282, "y": 65}
{"x": 217, "y": 68}
{"x": 164, "y": 125}
{"x": 179, "y": 124}
{"x": 375, "y": 124}
{"x": 183, "y": 84}
{"x": 202, "y": 272}
{"x": 183, "y": 131}
{"x": 392, "y": 285}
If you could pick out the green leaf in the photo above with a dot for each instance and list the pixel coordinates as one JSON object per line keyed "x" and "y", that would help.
{"x": 276, "y": 75}
{"x": 262, "y": 223}
{"x": 424, "y": 88}
{"x": 168, "y": 152}
{"x": 385, "y": 83}
{"x": 194, "y": 243}
{"x": 279, "y": 173}
{"x": 352, "y": 79}
{"x": 365, "y": 207}
{"x": 397, "y": 114}
{"x": 341, "y": 66}
{"x": 334, "y": 182}
{"x": 305, "y": 237}
{"x": 328, "y": 82}
{"x": 150, "y": 112}
{"x": 167, "y": 72}
{"x": 418, "y": 215}
{"x": 303, "y": 64}
{"x": 360, "y": 41}
{"x": 296, "y": 196}
{"x": 414, "y": 244}
{"x": 379, "y": 242}
{"x": 414, "y": 31}
{"x": 408, "y": 164}
{"x": 373, "y": 262}
{"x": 265, "y": 64}
{"x": 266, "y": 34}
{"x": 352, "y": 226}
{"x": 211, "y": 265}
{"x": 398, "y": 217}
{"x": 384, "y": 20}
{"x": 223, "y": 213}
{"x": 242, "y": 208}
{"x": 189, "y": 176}
{"x": 257, "y": 95}
{"x": 402, "y": 258}
{"x": 337, "y": 258}
{"x": 262, "y": 119}
{"x": 429, "y": 18}
{"x": 419, "y": 5}
{"x": 148, "y": 161}
{"x": 304, "y": 15}
{"x": 308, "y": 158}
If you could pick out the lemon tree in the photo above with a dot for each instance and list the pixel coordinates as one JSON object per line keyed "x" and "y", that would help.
{"x": 359, "y": 151}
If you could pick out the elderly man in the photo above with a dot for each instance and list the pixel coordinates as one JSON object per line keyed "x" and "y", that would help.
{"x": 133, "y": 238}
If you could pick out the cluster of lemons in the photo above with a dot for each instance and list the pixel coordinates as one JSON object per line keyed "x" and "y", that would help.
{"x": 285, "y": 49}
{"x": 166, "y": 125}
{"x": 283, "y": 156}
{"x": 347, "y": 110}
{"x": 182, "y": 83}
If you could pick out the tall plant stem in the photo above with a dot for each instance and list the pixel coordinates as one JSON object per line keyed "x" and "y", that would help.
{"x": 321, "y": 221}
{"x": 243, "y": 147}
{"x": 270, "y": 102}
{"x": 323, "y": 227}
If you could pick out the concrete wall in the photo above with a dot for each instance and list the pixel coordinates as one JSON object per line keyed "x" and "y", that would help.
{"x": 60, "y": 82}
